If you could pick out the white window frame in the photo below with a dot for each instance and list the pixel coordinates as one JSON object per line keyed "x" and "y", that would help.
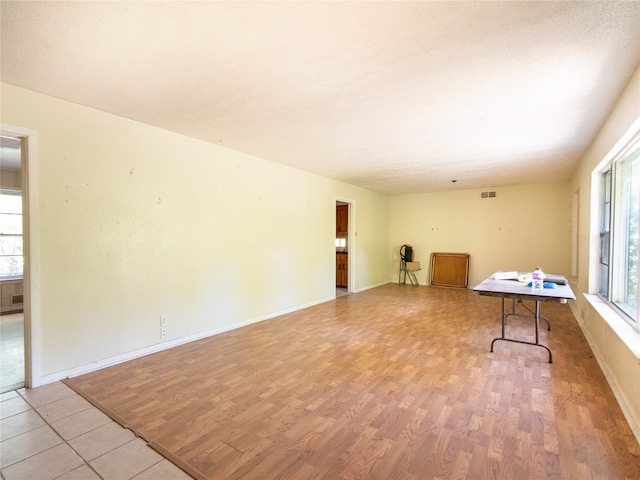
{"x": 618, "y": 228}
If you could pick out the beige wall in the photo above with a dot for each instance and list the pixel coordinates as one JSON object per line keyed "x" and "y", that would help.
{"x": 522, "y": 228}
{"x": 135, "y": 222}
{"x": 617, "y": 358}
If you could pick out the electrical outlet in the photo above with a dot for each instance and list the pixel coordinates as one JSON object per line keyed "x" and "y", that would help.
{"x": 163, "y": 326}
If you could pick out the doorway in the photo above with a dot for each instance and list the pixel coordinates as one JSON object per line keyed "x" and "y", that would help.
{"x": 12, "y": 260}
{"x": 343, "y": 244}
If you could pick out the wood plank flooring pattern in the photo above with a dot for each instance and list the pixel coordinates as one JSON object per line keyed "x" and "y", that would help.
{"x": 394, "y": 383}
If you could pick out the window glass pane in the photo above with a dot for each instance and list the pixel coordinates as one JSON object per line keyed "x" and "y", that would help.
{"x": 631, "y": 203}
{"x": 11, "y": 261}
{"x": 10, "y": 224}
{"x": 11, "y": 265}
{"x": 604, "y": 286}
{"x": 11, "y": 245}
{"x": 605, "y": 214}
{"x": 605, "y": 227}
{"x": 604, "y": 248}
{"x": 10, "y": 203}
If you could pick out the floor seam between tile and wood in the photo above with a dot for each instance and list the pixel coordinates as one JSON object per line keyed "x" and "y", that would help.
{"x": 80, "y": 465}
{"x": 124, "y": 424}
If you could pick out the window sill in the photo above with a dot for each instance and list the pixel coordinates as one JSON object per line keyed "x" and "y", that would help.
{"x": 15, "y": 278}
{"x": 629, "y": 335}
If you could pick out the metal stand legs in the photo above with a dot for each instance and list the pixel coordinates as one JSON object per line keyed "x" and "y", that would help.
{"x": 410, "y": 274}
{"x": 537, "y": 315}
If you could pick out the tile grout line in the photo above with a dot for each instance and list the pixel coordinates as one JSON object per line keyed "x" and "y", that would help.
{"x": 66, "y": 442}
{"x": 35, "y": 410}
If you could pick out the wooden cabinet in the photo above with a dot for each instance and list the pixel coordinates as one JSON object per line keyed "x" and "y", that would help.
{"x": 342, "y": 269}
{"x": 342, "y": 219}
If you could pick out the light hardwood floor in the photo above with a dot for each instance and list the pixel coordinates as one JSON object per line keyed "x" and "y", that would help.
{"x": 396, "y": 382}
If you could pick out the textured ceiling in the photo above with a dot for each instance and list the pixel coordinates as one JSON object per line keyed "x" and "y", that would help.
{"x": 397, "y": 97}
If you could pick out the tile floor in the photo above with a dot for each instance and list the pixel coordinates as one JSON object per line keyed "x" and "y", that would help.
{"x": 51, "y": 432}
{"x": 11, "y": 351}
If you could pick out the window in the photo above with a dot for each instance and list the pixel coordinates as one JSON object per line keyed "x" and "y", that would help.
{"x": 605, "y": 231}
{"x": 11, "y": 260}
{"x": 619, "y": 232}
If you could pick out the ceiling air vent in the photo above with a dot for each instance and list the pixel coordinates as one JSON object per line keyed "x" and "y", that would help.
{"x": 492, "y": 194}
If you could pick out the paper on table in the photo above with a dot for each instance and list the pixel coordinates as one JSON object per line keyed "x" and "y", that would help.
{"x": 506, "y": 275}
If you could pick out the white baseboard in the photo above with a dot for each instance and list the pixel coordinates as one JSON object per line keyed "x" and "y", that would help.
{"x": 125, "y": 357}
{"x": 628, "y": 413}
{"x": 370, "y": 287}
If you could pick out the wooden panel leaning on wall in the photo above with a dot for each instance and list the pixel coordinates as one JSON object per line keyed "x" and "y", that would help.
{"x": 450, "y": 270}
